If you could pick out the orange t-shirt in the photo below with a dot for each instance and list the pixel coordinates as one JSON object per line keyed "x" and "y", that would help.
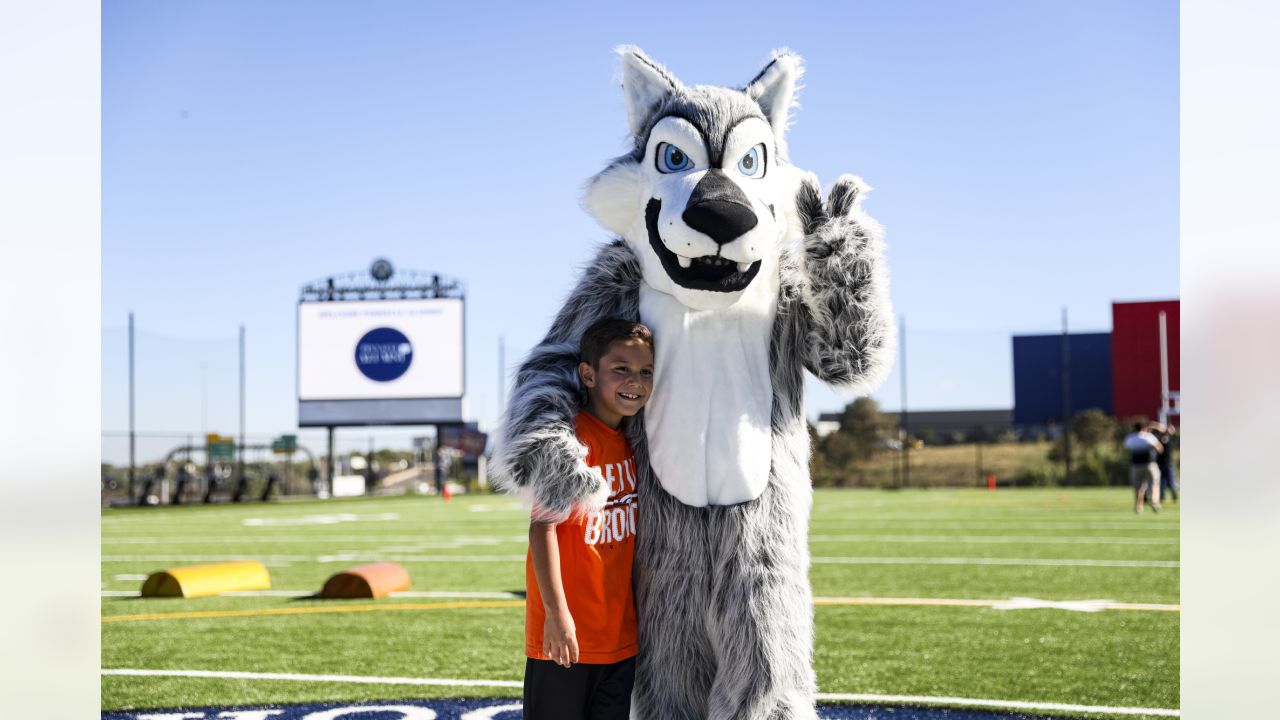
{"x": 595, "y": 558}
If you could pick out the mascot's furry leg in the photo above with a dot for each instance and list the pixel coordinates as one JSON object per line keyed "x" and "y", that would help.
{"x": 728, "y": 621}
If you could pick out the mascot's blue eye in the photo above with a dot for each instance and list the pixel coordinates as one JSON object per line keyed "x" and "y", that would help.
{"x": 672, "y": 159}
{"x": 751, "y": 164}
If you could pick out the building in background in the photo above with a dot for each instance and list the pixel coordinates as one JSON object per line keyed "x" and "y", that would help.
{"x": 941, "y": 425}
{"x": 1038, "y": 379}
{"x": 1117, "y": 372}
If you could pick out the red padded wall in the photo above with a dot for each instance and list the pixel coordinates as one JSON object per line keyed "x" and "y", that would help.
{"x": 1135, "y": 356}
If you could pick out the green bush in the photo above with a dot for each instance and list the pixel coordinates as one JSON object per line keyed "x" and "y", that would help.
{"x": 1039, "y": 475}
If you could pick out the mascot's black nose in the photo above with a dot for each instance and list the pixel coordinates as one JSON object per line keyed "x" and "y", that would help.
{"x": 719, "y": 209}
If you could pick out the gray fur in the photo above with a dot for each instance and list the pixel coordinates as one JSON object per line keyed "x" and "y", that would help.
{"x": 851, "y": 338}
{"x": 722, "y": 592}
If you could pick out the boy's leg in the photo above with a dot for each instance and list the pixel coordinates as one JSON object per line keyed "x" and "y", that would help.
{"x": 552, "y": 692}
{"x": 611, "y": 695}
{"x": 1154, "y": 472}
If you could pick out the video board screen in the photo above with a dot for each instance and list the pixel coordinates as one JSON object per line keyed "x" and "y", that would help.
{"x": 370, "y": 362}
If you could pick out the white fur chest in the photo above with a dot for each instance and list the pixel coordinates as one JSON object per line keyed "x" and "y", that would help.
{"x": 708, "y": 419}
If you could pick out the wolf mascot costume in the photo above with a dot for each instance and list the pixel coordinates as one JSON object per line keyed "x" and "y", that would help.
{"x": 747, "y": 279}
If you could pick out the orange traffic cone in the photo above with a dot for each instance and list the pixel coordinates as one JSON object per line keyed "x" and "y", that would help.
{"x": 445, "y": 493}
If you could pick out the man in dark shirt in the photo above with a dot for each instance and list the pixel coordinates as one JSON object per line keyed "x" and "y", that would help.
{"x": 1164, "y": 461}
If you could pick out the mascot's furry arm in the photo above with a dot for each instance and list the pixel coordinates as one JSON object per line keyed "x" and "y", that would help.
{"x": 844, "y": 287}
{"x": 538, "y": 455}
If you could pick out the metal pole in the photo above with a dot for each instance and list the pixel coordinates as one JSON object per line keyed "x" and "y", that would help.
{"x": 1066, "y": 392}
{"x": 333, "y": 469}
{"x": 204, "y": 399}
{"x": 502, "y": 375}
{"x": 1164, "y": 372}
{"x": 979, "y": 461}
{"x": 904, "y": 418}
{"x": 132, "y": 435}
{"x": 240, "y": 454}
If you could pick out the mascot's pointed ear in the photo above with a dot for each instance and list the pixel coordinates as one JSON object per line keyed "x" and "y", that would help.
{"x": 775, "y": 90}
{"x": 645, "y": 83}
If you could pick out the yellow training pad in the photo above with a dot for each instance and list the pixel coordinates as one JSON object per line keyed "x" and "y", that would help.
{"x": 202, "y": 580}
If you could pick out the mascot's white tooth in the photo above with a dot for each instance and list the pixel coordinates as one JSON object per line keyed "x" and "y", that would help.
{"x": 684, "y": 261}
{"x": 743, "y": 267}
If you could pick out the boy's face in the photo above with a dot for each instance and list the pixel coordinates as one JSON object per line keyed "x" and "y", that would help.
{"x": 622, "y": 381}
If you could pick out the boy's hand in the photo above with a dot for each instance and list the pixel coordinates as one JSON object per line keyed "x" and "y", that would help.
{"x": 560, "y": 638}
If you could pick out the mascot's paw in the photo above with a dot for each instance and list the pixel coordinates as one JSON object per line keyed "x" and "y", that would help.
{"x": 828, "y": 225}
{"x": 563, "y": 485}
{"x": 845, "y": 196}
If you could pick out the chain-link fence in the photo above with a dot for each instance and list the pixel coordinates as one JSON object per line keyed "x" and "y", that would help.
{"x": 184, "y": 467}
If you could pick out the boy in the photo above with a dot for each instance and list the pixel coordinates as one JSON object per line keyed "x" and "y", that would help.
{"x": 580, "y": 616}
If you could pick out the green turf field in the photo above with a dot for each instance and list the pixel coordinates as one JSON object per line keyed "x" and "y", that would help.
{"x": 908, "y": 550}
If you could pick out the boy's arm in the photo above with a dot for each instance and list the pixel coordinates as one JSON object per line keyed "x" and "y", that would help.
{"x": 559, "y": 635}
{"x": 537, "y": 454}
{"x": 849, "y": 336}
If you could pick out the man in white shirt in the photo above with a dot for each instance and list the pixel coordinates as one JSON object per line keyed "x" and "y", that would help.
{"x": 1144, "y": 474}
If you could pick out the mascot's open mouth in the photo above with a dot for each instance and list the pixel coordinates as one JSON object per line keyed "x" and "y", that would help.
{"x": 709, "y": 272}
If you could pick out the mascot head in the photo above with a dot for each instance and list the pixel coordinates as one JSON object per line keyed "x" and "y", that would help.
{"x": 706, "y": 196}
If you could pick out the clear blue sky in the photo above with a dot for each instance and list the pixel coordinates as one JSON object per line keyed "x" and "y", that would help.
{"x": 1024, "y": 155}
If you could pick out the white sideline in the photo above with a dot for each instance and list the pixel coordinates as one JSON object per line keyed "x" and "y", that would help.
{"x": 848, "y": 697}
{"x": 1010, "y": 704}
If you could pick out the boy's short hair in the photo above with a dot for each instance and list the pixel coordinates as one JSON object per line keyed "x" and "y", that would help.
{"x": 603, "y": 333}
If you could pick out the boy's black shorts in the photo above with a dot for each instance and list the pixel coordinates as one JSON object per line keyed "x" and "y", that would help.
{"x": 578, "y": 692}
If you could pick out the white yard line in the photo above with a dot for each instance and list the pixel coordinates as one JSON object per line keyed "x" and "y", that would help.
{"x": 448, "y": 682}
{"x": 231, "y": 675}
{"x": 917, "y": 523}
{"x": 426, "y": 541}
{"x": 1008, "y": 604}
{"x": 819, "y": 560}
{"x": 319, "y": 537}
{"x": 1017, "y": 603}
{"x": 208, "y": 558}
{"x": 1050, "y": 562}
{"x": 337, "y": 557}
{"x": 998, "y": 539}
{"x": 307, "y": 593}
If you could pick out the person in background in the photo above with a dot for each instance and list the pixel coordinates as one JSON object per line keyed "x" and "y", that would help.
{"x": 1164, "y": 461}
{"x": 1144, "y": 475}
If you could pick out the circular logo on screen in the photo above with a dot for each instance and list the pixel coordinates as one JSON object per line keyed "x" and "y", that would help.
{"x": 383, "y": 354}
